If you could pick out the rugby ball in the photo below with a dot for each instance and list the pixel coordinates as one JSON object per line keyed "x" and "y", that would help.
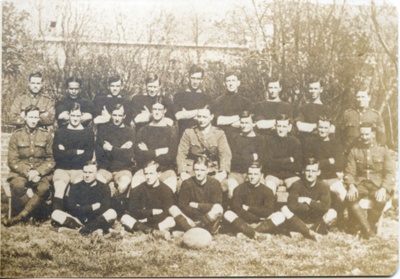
{"x": 196, "y": 238}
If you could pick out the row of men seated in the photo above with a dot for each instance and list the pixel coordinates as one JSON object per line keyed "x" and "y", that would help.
{"x": 368, "y": 167}
{"x": 183, "y": 108}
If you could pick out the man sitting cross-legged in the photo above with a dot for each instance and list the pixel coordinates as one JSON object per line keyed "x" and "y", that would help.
{"x": 253, "y": 203}
{"x": 88, "y": 204}
{"x": 200, "y": 200}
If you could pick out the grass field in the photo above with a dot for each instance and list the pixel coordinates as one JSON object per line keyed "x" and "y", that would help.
{"x": 29, "y": 250}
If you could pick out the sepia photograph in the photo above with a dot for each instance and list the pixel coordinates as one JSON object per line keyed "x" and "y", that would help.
{"x": 199, "y": 138}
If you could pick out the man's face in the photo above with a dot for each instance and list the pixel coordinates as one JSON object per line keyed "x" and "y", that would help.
{"x": 282, "y": 128}
{"x": 75, "y": 118}
{"x": 323, "y": 128}
{"x": 151, "y": 175}
{"x": 73, "y": 89}
{"x": 200, "y": 172}
{"x": 315, "y": 89}
{"x": 232, "y": 83}
{"x": 158, "y": 111}
{"x": 362, "y": 99}
{"x": 311, "y": 173}
{"x": 204, "y": 118}
{"x": 89, "y": 173}
{"x": 35, "y": 84}
{"x": 366, "y": 135}
{"x": 196, "y": 80}
{"x": 254, "y": 175}
{"x": 32, "y": 119}
{"x": 274, "y": 88}
{"x": 115, "y": 87}
{"x": 246, "y": 125}
{"x": 153, "y": 88}
{"x": 118, "y": 116}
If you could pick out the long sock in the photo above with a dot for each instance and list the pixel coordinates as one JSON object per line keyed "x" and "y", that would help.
{"x": 298, "y": 225}
{"x": 360, "y": 215}
{"x": 58, "y": 203}
{"x": 30, "y": 206}
{"x": 182, "y": 222}
{"x": 71, "y": 223}
{"x": 243, "y": 227}
{"x": 138, "y": 226}
{"x": 266, "y": 226}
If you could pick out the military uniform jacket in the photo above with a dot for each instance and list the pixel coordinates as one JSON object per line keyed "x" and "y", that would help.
{"x": 30, "y": 151}
{"x": 41, "y": 100}
{"x": 372, "y": 163}
{"x": 350, "y": 124}
{"x": 215, "y": 140}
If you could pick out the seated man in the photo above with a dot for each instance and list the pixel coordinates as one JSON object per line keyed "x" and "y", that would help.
{"x": 247, "y": 147}
{"x": 283, "y": 156}
{"x": 200, "y": 200}
{"x": 253, "y": 204}
{"x": 308, "y": 203}
{"x": 30, "y": 159}
{"x": 63, "y": 107}
{"x": 266, "y": 111}
{"x": 157, "y": 141}
{"x": 329, "y": 152}
{"x": 72, "y": 148}
{"x": 88, "y": 204}
{"x": 204, "y": 140}
{"x": 148, "y": 204}
{"x": 114, "y": 152}
{"x": 103, "y": 104}
{"x": 370, "y": 173}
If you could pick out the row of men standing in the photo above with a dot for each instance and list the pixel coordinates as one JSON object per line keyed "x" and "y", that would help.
{"x": 230, "y": 111}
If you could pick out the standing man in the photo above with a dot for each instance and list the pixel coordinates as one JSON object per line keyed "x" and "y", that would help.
{"x": 187, "y": 102}
{"x": 247, "y": 147}
{"x": 230, "y": 105}
{"x": 30, "y": 159}
{"x": 141, "y": 104}
{"x": 308, "y": 202}
{"x": 34, "y": 97}
{"x": 308, "y": 114}
{"x": 352, "y": 118}
{"x": 103, "y": 104}
{"x": 114, "y": 153}
{"x": 63, "y": 107}
{"x": 148, "y": 204}
{"x": 200, "y": 200}
{"x": 204, "y": 140}
{"x": 283, "y": 158}
{"x": 369, "y": 173}
{"x": 157, "y": 141}
{"x": 88, "y": 204}
{"x": 73, "y": 147}
{"x": 253, "y": 203}
{"x": 266, "y": 111}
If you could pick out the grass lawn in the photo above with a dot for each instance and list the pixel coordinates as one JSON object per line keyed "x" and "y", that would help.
{"x": 29, "y": 250}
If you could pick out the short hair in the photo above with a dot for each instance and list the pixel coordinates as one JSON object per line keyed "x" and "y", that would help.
{"x": 281, "y": 117}
{"x": 118, "y": 106}
{"x": 363, "y": 88}
{"x": 310, "y": 161}
{"x": 152, "y": 163}
{"x": 35, "y": 74}
{"x": 314, "y": 79}
{"x": 152, "y": 77}
{"x": 115, "y": 78}
{"x": 324, "y": 118}
{"x": 368, "y": 125}
{"x": 246, "y": 114}
{"x": 275, "y": 78}
{"x": 196, "y": 69}
{"x": 209, "y": 108}
{"x": 201, "y": 160}
{"x": 75, "y": 107}
{"x": 73, "y": 79}
{"x": 31, "y": 108}
{"x": 255, "y": 165}
{"x": 91, "y": 163}
{"x": 232, "y": 73}
{"x": 160, "y": 100}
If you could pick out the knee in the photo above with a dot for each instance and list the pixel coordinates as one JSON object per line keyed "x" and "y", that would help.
{"x": 59, "y": 216}
{"x": 230, "y": 216}
{"x": 174, "y": 211}
{"x": 277, "y": 218}
{"x": 217, "y": 209}
{"x": 18, "y": 186}
{"x": 330, "y": 216}
{"x": 110, "y": 215}
{"x": 286, "y": 212}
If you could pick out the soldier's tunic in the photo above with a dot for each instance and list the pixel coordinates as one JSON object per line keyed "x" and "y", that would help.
{"x": 350, "y": 125}
{"x": 41, "y": 100}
